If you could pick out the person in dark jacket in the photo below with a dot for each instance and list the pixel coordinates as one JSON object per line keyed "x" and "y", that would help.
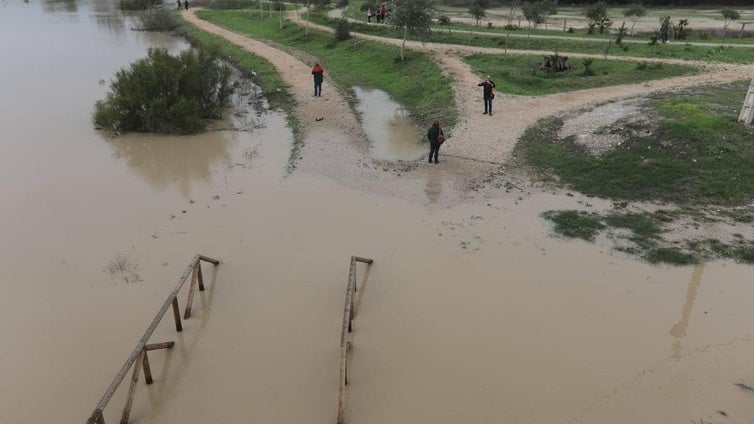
{"x": 185, "y": 3}
{"x": 318, "y": 73}
{"x": 487, "y": 85}
{"x": 436, "y": 138}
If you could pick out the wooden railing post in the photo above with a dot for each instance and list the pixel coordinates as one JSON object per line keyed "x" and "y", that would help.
{"x": 177, "y": 315}
{"x": 147, "y": 369}
{"x": 199, "y": 275}
{"x": 192, "y": 287}
{"x": 131, "y": 391}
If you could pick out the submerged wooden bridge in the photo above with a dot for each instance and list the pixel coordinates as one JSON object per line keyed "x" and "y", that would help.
{"x": 139, "y": 359}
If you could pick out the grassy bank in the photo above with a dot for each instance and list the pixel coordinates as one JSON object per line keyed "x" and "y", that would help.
{"x": 674, "y": 50}
{"x": 688, "y": 151}
{"x": 261, "y": 73}
{"x": 417, "y": 83}
{"x": 521, "y": 74}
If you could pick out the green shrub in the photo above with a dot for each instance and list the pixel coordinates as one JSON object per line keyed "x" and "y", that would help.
{"x": 588, "y": 72}
{"x": 443, "y": 20}
{"x": 138, "y": 4}
{"x": 166, "y": 94}
{"x": 342, "y": 4}
{"x": 342, "y": 30}
{"x": 156, "y": 18}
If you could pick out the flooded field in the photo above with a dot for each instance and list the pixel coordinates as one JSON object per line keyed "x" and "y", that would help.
{"x": 472, "y": 312}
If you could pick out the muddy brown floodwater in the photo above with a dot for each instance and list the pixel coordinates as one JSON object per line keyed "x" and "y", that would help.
{"x": 472, "y": 311}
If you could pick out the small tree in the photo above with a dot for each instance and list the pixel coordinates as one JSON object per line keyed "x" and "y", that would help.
{"x": 548, "y": 7}
{"x": 621, "y": 33}
{"x": 729, "y": 15}
{"x": 532, "y": 11}
{"x": 634, "y": 12}
{"x": 597, "y": 15}
{"x": 478, "y": 10}
{"x": 411, "y": 17}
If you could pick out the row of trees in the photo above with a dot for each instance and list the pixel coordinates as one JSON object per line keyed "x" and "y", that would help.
{"x": 650, "y": 3}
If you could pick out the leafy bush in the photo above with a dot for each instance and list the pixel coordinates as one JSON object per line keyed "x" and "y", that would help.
{"x": 588, "y": 72}
{"x": 156, "y": 18}
{"x": 342, "y": 4}
{"x": 342, "y": 30}
{"x": 138, "y": 4}
{"x": 443, "y": 20}
{"x": 166, "y": 94}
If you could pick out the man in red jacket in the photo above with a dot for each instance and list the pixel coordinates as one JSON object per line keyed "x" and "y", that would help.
{"x": 318, "y": 73}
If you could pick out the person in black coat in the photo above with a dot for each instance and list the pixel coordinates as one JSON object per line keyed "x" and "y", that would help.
{"x": 488, "y": 85}
{"x": 436, "y": 138}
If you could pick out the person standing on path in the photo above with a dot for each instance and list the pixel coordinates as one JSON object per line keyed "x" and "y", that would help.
{"x": 185, "y": 3}
{"x": 179, "y": 4}
{"x": 318, "y": 73}
{"x": 487, "y": 85}
{"x": 436, "y": 138}
{"x": 369, "y": 15}
{"x": 383, "y": 12}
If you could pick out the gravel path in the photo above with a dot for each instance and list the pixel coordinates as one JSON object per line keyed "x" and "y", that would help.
{"x": 336, "y": 146}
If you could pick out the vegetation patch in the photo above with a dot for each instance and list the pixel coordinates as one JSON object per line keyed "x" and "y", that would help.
{"x": 261, "y": 72}
{"x": 690, "y": 152}
{"x": 522, "y": 74}
{"x": 575, "y": 224}
{"x": 166, "y": 94}
{"x": 156, "y": 18}
{"x": 417, "y": 83}
{"x": 138, "y": 4}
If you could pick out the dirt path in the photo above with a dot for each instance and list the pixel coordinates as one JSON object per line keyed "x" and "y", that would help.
{"x": 483, "y": 138}
{"x": 337, "y": 147}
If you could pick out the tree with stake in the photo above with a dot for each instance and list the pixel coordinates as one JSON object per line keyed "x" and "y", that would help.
{"x": 597, "y": 15}
{"x": 478, "y": 10}
{"x": 729, "y": 15}
{"x": 412, "y": 17}
{"x": 634, "y": 12}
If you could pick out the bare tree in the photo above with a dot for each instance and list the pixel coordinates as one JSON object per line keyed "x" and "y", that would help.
{"x": 634, "y": 12}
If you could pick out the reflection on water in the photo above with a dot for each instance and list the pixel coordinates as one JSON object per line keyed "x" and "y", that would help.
{"x": 392, "y": 134}
{"x": 167, "y": 161}
{"x": 679, "y": 329}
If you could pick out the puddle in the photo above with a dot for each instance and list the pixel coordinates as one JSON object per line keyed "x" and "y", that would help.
{"x": 392, "y": 134}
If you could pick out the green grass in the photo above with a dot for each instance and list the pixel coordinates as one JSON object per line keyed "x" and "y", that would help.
{"x": 674, "y": 50}
{"x": 261, "y": 72}
{"x": 696, "y": 153}
{"x": 418, "y": 83}
{"x": 521, "y": 75}
{"x": 575, "y": 224}
{"x": 670, "y": 255}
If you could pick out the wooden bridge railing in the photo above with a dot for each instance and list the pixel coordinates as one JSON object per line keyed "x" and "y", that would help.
{"x": 138, "y": 358}
{"x": 345, "y": 344}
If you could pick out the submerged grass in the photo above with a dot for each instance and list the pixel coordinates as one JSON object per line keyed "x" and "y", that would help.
{"x": 575, "y": 224}
{"x": 521, "y": 74}
{"x": 418, "y": 83}
{"x": 261, "y": 72}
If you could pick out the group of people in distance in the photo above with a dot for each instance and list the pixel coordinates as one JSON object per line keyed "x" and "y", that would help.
{"x": 380, "y": 14}
{"x": 185, "y": 3}
{"x": 435, "y": 133}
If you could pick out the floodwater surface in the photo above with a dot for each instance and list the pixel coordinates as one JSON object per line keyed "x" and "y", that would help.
{"x": 471, "y": 313}
{"x": 392, "y": 134}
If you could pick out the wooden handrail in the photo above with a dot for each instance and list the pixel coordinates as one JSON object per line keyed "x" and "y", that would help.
{"x": 348, "y": 315}
{"x": 139, "y": 355}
